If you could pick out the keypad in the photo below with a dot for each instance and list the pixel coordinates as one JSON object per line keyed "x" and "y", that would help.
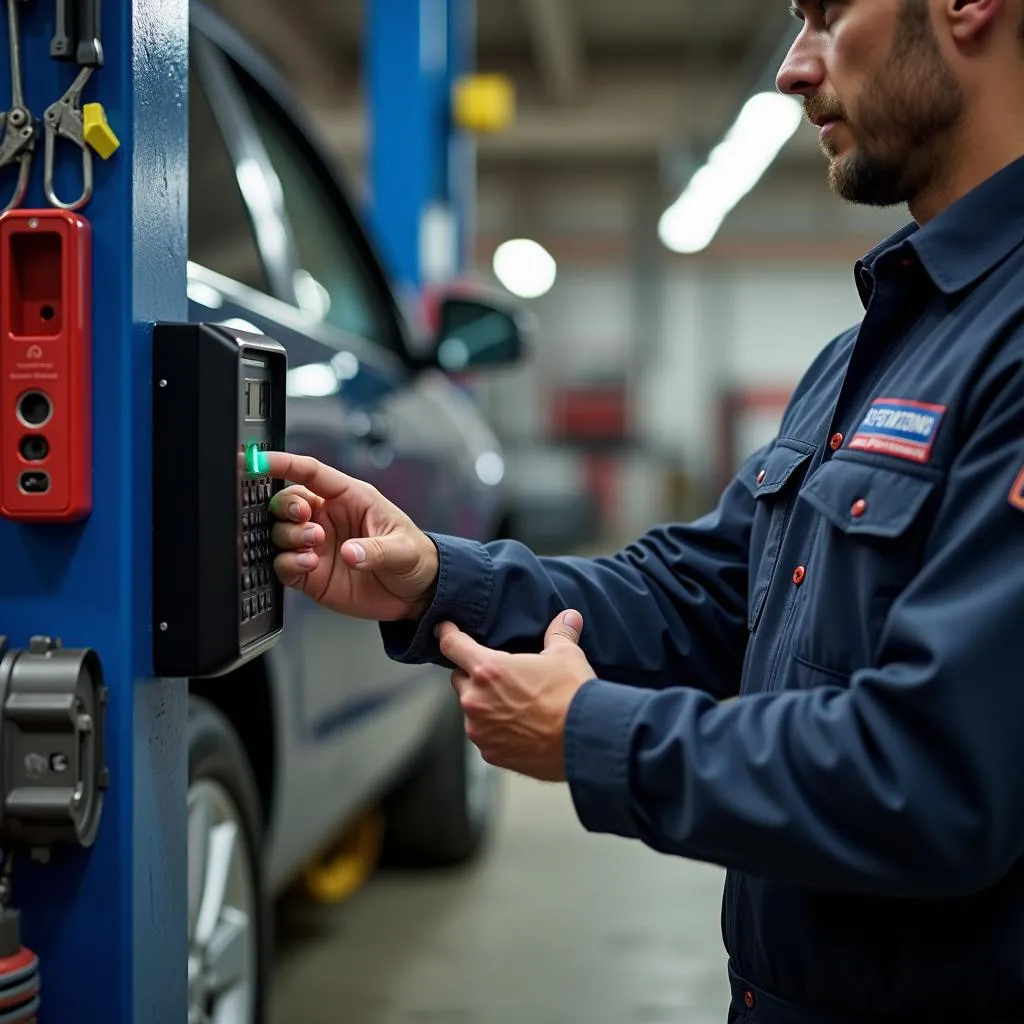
{"x": 257, "y": 556}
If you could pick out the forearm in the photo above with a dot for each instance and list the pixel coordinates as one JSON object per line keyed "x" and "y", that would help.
{"x": 649, "y": 618}
{"x": 853, "y": 789}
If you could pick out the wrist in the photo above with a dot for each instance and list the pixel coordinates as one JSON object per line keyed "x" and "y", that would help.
{"x": 431, "y": 570}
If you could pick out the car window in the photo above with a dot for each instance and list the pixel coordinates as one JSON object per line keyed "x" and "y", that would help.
{"x": 332, "y": 282}
{"x": 220, "y": 231}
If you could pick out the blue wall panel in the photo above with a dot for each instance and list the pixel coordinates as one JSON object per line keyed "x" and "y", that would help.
{"x": 109, "y": 923}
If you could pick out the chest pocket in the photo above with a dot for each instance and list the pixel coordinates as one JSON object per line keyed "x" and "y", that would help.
{"x": 868, "y": 550}
{"x": 773, "y": 488}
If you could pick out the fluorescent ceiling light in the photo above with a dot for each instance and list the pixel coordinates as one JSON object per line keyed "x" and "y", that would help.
{"x": 765, "y": 124}
{"x": 525, "y": 268}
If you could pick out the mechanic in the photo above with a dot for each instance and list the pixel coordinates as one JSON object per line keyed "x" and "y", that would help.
{"x": 859, "y": 588}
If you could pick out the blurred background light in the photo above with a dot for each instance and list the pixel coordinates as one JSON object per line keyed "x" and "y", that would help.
{"x": 525, "y": 268}
{"x": 766, "y": 123}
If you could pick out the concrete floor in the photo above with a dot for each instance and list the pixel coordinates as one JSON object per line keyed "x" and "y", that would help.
{"x": 552, "y": 927}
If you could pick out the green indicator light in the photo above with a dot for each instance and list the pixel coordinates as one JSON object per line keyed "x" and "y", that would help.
{"x": 256, "y": 462}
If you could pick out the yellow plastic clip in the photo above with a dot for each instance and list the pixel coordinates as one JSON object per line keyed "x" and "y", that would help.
{"x": 97, "y": 133}
{"x": 484, "y": 104}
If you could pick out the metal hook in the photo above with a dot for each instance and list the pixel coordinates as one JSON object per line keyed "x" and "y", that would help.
{"x": 24, "y": 174}
{"x": 19, "y": 138}
{"x": 63, "y": 119}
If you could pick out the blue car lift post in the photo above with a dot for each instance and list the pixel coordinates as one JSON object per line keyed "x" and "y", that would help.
{"x": 108, "y": 922}
{"x": 422, "y": 169}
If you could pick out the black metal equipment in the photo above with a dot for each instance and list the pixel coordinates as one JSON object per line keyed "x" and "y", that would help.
{"x": 218, "y": 404}
{"x": 52, "y": 751}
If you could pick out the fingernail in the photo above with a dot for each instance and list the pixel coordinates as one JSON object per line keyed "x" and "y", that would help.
{"x": 307, "y": 561}
{"x": 573, "y": 620}
{"x": 309, "y": 535}
{"x": 293, "y": 510}
{"x": 358, "y": 552}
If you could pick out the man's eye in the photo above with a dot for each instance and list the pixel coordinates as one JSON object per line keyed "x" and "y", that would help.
{"x": 825, "y": 6}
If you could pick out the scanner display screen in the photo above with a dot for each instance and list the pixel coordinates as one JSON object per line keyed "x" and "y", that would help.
{"x": 257, "y": 400}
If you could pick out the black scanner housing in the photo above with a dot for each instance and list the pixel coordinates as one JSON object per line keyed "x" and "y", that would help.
{"x": 204, "y": 524}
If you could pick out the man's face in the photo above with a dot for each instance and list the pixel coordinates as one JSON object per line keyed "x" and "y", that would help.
{"x": 872, "y": 72}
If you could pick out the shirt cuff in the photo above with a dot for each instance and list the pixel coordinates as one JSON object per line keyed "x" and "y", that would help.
{"x": 465, "y": 583}
{"x": 597, "y": 755}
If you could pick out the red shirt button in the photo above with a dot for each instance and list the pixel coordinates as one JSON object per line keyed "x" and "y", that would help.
{"x": 860, "y": 506}
{"x": 748, "y": 1000}
{"x": 836, "y": 443}
{"x": 799, "y": 573}
{"x": 760, "y": 477}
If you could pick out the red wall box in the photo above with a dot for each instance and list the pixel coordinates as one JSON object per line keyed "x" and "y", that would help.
{"x": 45, "y": 366}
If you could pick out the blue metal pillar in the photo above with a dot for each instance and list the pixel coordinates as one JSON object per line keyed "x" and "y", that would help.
{"x": 109, "y": 923}
{"x": 421, "y": 168}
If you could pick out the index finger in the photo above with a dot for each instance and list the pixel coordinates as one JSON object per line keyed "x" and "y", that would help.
{"x": 459, "y": 648}
{"x": 327, "y": 482}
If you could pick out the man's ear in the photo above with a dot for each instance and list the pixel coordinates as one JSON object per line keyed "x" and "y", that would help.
{"x": 969, "y": 20}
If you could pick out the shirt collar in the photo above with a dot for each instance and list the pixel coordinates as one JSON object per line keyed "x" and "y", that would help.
{"x": 965, "y": 241}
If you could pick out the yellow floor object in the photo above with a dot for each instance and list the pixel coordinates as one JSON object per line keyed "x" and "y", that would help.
{"x": 343, "y": 869}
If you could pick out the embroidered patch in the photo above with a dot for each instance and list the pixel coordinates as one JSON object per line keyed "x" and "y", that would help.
{"x": 1016, "y": 495}
{"x": 899, "y": 427}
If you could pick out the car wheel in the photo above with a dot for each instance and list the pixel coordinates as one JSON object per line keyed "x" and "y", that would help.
{"x": 227, "y": 909}
{"x": 443, "y": 813}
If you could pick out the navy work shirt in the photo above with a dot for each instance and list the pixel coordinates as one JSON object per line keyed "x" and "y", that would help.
{"x": 860, "y": 588}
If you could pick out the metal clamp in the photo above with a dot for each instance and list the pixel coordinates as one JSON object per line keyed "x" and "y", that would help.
{"x": 19, "y": 126}
{"x": 52, "y": 744}
{"x": 63, "y": 119}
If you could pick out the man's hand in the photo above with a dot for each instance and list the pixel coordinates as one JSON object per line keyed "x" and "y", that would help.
{"x": 516, "y": 704}
{"x": 346, "y": 546}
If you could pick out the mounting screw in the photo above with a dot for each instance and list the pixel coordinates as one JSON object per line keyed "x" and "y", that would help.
{"x": 33, "y": 223}
{"x": 163, "y": 627}
{"x": 163, "y": 383}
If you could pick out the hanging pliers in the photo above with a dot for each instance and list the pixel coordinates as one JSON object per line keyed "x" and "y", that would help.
{"x": 19, "y": 126}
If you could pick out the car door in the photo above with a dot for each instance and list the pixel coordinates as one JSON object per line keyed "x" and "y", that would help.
{"x": 354, "y": 402}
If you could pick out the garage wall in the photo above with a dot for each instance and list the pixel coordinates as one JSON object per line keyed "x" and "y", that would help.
{"x": 744, "y": 319}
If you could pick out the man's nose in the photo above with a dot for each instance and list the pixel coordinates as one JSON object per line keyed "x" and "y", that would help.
{"x": 803, "y": 71}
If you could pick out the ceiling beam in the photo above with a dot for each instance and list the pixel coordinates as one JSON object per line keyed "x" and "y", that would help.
{"x": 558, "y": 47}
{"x": 631, "y": 110}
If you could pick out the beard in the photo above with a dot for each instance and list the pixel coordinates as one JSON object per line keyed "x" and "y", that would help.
{"x": 903, "y": 122}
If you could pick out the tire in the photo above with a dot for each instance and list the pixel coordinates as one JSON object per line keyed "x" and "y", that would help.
{"x": 223, "y": 803}
{"x": 444, "y": 812}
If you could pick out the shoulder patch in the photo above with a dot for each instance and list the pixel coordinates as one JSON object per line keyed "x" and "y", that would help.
{"x": 900, "y": 427}
{"x": 1016, "y": 495}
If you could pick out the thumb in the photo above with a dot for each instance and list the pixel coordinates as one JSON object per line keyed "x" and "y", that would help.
{"x": 394, "y": 552}
{"x": 564, "y": 628}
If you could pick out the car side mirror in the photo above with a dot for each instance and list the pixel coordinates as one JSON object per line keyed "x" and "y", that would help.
{"x": 475, "y": 334}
